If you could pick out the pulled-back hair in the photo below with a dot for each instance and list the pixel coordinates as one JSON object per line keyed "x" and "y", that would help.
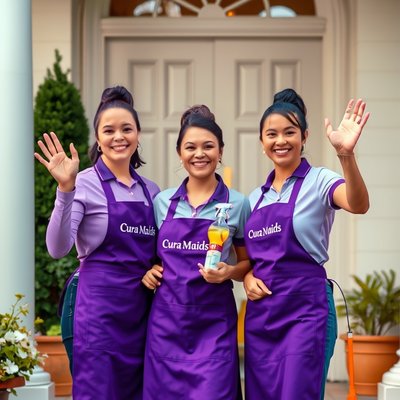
{"x": 291, "y": 106}
{"x": 199, "y": 116}
{"x": 115, "y": 97}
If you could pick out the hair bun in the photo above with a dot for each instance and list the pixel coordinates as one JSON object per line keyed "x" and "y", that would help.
{"x": 119, "y": 93}
{"x": 290, "y": 96}
{"x": 200, "y": 110}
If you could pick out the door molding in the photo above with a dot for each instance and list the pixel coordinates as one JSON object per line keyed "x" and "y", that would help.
{"x": 335, "y": 24}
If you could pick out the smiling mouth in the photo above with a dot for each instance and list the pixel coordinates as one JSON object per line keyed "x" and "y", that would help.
{"x": 200, "y": 163}
{"x": 281, "y": 151}
{"x": 120, "y": 147}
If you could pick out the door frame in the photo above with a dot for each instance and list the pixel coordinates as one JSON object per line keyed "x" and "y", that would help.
{"x": 335, "y": 24}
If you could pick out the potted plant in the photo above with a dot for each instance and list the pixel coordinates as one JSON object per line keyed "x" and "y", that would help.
{"x": 58, "y": 108}
{"x": 373, "y": 307}
{"x": 18, "y": 355}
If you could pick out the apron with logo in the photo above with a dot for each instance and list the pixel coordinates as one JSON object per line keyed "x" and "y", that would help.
{"x": 191, "y": 351}
{"x": 112, "y": 304}
{"x": 284, "y": 332}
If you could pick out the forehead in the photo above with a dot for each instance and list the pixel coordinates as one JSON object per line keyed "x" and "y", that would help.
{"x": 275, "y": 121}
{"x": 198, "y": 135}
{"x": 115, "y": 115}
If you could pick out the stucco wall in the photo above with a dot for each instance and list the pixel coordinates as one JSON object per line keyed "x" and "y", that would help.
{"x": 51, "y": 29}
{"x": 378, "y": 82}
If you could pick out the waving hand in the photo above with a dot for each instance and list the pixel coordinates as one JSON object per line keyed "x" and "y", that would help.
{"x": 61, "y": 167}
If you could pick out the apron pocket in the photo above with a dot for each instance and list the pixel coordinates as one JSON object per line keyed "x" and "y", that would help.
{"x": 117, "y": 319}
{"x": 191, "y": 333}
{"x": 281, "y": 325}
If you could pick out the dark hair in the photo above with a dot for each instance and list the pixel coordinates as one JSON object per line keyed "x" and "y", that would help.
{"x": 199, "y": 116}
{"x": 115, "y": 97}
{"x": 290, "y": 105}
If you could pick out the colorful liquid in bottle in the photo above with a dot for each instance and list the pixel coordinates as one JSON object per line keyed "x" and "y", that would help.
{"x": 218, "y": 234}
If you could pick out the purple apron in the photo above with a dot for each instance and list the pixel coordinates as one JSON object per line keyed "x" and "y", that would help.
{"x": 284, "y": 332}
{"x": 112, "y": 305}
{"x": 191, "y": 350}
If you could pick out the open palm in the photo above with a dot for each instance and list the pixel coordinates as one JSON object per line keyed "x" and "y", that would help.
{"x": 345, "y": 137}
{"x": 61, "y": 167}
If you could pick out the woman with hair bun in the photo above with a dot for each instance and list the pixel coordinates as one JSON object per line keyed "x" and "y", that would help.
{"x": 107, "y": 212}
{"x": 290, "y": 325}
{"x": 191, "y": 348}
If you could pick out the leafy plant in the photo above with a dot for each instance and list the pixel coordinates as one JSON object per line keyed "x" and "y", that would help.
{"x": 58, "y": 108}
{"x": 18, "y": 355}
{"x": 374, "y": 305}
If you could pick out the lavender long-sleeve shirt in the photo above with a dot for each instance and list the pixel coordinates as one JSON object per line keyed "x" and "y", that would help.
{"x": 80, "y": 217}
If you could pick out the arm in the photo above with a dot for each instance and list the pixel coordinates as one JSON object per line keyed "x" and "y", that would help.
{"x": 61, "y": 233}
{"x": 353, "y": 195}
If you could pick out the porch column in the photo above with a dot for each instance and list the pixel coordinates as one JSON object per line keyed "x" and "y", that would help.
{"x": 17, "y": 267}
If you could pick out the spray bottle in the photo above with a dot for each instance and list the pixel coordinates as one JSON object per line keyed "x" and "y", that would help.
{"x": 218, "y": 232}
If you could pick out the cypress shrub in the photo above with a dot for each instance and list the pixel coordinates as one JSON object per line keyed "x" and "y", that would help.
{"x": 58, "y": 108}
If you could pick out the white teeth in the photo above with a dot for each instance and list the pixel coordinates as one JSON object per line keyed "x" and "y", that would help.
{"x": 282, "y": 151}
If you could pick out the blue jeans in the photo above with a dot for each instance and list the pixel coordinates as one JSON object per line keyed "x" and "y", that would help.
{"x": 67, "y": 318}
{"x": 331, "y": 334}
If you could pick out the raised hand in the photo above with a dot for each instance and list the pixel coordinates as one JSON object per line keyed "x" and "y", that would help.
{"x": 345, "y": 137}
{"x": 62, "y": 168}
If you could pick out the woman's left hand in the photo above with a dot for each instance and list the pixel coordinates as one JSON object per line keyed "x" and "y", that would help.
{"x": 219, "y": 275}
{"x": 344, "y": 139}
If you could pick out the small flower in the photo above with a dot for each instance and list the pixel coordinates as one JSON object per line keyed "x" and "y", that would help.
{"x": 18, "y": 355}
{"x": 10, "y": 367}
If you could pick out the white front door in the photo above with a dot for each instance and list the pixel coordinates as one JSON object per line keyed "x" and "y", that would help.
{"x": 236, "y": 78}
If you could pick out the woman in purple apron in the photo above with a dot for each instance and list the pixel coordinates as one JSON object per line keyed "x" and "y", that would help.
{"x": 191, "y": 349}
{"x": 290, "y": 325}
{"x": 107, "y": 211}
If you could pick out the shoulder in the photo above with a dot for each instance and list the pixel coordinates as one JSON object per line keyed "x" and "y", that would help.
{"x": 319, "y": 177}
{"x": 254, "y": 196}
{"x": 164, "y": 196}
{"x": 87, "y": 178}
{"x": 238, "y": 198}
{"x": 151, "y": 186}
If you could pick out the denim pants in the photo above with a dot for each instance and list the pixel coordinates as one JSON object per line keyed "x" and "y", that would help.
{"x": 67, "y": 318}
{"x": 331, "y": 334}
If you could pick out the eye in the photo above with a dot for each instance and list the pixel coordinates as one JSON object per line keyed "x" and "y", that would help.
{"x": 270, "y": 134}
{"x": 209, "y": 146}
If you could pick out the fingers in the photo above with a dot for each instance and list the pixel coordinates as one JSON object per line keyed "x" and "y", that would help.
{"x": 349, "y": 108}
{"x": 328, "y": 126}
{"x": 57, "y": 144}
{"x": 41, "y": 159}
{"x": 74, "y": 152}
{"x": 152, "y": 277}
{"x": 50, "y": 145}
{"x": 364, "y": 120}
{"x": 44, "y": 149}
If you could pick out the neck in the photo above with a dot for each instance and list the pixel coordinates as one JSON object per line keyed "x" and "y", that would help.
{"x": 282, "y": 173}
{"x": 120, "y": 170}
{"x": 199, "y": 190}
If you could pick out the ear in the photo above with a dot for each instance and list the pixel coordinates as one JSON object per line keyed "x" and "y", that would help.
{"x": 305, "y": 136}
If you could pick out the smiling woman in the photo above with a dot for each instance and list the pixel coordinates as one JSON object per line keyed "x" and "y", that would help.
{"x": 107, "y": 212}
{"x": 191, "y": 344}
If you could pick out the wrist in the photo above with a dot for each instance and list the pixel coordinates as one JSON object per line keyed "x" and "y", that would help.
{"x": 345, "y": 154}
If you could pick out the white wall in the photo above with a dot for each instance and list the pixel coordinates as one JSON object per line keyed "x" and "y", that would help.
{"x": 51, "y": 29}
{"x": 378, "y": 82}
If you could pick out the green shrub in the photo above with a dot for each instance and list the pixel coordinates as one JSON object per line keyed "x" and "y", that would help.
{"x": 58, "y": 108}
{"x": 374, "y": 305}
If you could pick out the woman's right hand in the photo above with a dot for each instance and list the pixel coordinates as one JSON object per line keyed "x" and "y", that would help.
{"x": 62, "y": 168}
{"x": 152, "y": 277}
{"x": 255, "y": 288}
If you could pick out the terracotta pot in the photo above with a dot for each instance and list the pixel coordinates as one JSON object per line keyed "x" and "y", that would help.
{"x": 373, "y": 356}
{"x": 11, "y": 383}
{"x": 56, "y": 363}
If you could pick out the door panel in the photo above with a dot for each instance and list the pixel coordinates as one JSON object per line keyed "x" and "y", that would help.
{"x": 248, "y": 73}
{"x": 166, "y": 77}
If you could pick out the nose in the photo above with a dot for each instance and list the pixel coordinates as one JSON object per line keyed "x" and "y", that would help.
{"x": 199, "y": 153}
{"x": 118, "y": 134}
{"x": 281, "y": 140}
